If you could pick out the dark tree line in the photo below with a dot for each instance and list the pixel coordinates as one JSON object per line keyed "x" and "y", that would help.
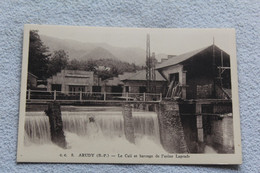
{"x": 38, "y": 56}
{"x": 44, "y": 64}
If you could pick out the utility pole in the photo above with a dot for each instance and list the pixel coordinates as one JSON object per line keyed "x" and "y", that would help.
{"x": 148, "y": 64}
{"x": 214, "y": 67}
{"x": 150, "y": 67}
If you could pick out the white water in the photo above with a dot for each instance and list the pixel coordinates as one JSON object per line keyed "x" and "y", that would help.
{"x": 105, "y": 134}
{"x": 37, "y": 128}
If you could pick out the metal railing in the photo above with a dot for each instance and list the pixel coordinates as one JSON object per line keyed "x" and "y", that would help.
{"x": 92, "y": 96}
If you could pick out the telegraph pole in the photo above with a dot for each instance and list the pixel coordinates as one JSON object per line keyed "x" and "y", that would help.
{"x": 148, "y": 63}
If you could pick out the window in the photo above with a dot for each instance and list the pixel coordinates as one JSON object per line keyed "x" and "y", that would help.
{"x": 56, "y": 87}
{"x": 174, "y": 77}
{"x": 96, "y": 88}
{"x": 142, "y": 89}
{"x": 127, "y": 89}
{"x": 76, "y": 89}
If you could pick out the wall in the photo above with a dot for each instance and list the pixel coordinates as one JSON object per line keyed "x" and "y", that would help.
{"x": 72, "y": 77}
{"x": 171, "y": 129}
{"x": 221, "y": 136}
{"x": 134, "y": 86}
{"x": 204, "y": 83}
{"x": 172, "y": 69}
{"x": 32, "y": 81}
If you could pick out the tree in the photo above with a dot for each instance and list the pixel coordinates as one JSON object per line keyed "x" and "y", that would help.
{"x": 74, "y": 65}
{"x": 38, "y": 56}
{"x": 90, "y": 65}
{"x": 114, "y": 71}
{"x": 58, "y": 62}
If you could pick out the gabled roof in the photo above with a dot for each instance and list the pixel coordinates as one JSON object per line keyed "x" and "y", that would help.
{"x": 141, "y": 75}
{"x": 180, "y": 58}
{"x": 126, "y": 75}
{"x": 114, "y": 81}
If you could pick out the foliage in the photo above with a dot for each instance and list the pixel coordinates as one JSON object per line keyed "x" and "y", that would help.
{"x": 104, "y": 68}
{"x": 38, "y": 56}
{"x": 58, "y": 61}
{"x": 43, "y": 64}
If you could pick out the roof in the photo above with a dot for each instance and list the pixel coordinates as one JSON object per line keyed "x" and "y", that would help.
{"x": 141, "y": 75}
{"x": 77, "y": 76}
{"x": 113, "y": 82}
{"x": 180, "y": 58}
{"x": 126, "y": 75}
{"x": 32, "y": 75}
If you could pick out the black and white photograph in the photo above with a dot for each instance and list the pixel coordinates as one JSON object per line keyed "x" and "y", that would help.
{"x": 129, "y": 95}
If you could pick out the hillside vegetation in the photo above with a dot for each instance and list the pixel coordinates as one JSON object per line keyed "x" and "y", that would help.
{"x": 45, "y": 61}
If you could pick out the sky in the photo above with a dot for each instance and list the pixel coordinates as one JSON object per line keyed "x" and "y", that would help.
{"x": 166, "y": 41}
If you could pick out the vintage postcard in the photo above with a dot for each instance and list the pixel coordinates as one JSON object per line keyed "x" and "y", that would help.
{"x": 129, "y": 95}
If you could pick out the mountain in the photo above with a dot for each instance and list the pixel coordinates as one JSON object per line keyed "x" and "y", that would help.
{"x": 131, "y": 54}
{"x": 85, "y": 50}
{"x": 75, "y": 49}
{"x": 99, "y": 53}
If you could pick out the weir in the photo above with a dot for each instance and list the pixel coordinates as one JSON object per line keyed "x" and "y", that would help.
{"x": 95, "y": 125}
{"x": 177, "y": 126}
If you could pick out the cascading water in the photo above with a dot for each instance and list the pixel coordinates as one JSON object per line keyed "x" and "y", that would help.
{"x": 146, "y": 124}
{"x": 109, "y": 124}
{"x": 93, "y": 126}
{"x": 37, "y": 128}
{"x": 100, "y": 131}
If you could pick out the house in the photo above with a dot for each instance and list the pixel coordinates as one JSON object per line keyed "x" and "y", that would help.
{"x": 202, "y": 73}
{"x": 31, "y": 81}
{"x": 137, "y": 83}
{"x": 112, "y": 85}
{"x": 72, "y": 81}
{"x": 134, "y": 83}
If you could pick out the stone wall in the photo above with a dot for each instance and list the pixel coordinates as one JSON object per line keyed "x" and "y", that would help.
{"x": 128, "y": 123}
{"x": 56, "y": 125}
{"x": 171, "y": 130}
{"x": 222, "y": 138}
{"x": 218, "y": 132}
{"x": 190, "y": 132}
{"x": 204, "y": 91}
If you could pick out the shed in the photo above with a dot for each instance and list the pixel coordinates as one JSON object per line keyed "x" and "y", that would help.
{"x": 202, "y": 73}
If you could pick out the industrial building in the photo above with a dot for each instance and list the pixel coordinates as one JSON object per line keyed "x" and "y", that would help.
{"x": 199, "y": 74}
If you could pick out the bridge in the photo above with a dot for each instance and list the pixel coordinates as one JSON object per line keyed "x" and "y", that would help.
{"x": 37, "y": 96}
